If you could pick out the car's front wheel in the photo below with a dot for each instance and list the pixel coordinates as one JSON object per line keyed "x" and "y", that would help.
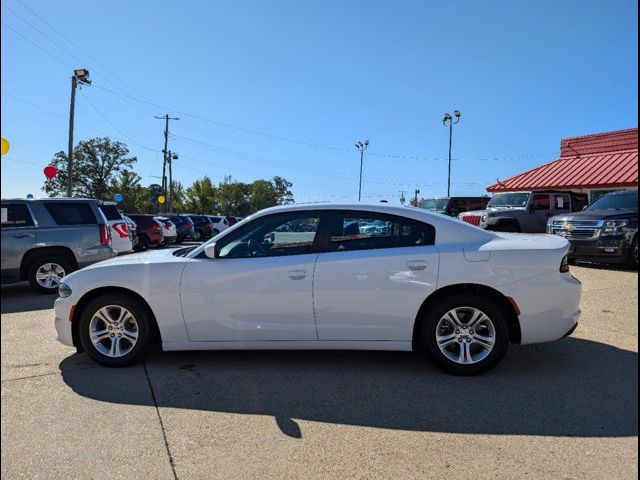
{"x": 465, "y": 334}
{"x": 115, "y": 330}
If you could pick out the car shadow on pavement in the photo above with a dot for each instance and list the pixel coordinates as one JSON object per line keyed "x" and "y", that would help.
{"x": 573, "y": 387}
{"x": 20, "y": 297}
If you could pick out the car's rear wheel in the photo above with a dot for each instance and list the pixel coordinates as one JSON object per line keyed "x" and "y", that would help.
{"x": 115, "y": 330}
{"x": 45, "y": 273}
{"x": 465, "y": 334}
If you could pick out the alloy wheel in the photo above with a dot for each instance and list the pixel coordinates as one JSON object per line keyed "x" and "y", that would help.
{"x": 465, "y": 335}
{"x": 49, "y": 275}
{"x": 113, "y": 330}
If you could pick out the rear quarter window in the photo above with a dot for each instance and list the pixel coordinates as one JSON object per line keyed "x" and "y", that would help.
{"x": 68, "y": 213}
{"x": 110, "y": 212}
{"x": 16, "y": 215}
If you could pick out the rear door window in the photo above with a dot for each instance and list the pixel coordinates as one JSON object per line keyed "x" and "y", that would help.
{"x": 540, "y": 202}
{"x": 71, "y": 213}
{"x": 16, "y": 215}
{"x": 562, "y": 201}
{"x": 110, "y": 212}
{"x": 363, "y": 231}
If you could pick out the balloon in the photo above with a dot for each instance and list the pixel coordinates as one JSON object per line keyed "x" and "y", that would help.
{"x": 118, "y": 197}
{"x": 216, "y": 206}
{"x": 50, "y": 171}
{"x": 161, "y": 199}
{"x": 30, "y": 195}
{"x": 5, "y": 146}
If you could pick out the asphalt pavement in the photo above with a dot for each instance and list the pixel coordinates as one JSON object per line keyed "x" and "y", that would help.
{"x": 566, "y": 409}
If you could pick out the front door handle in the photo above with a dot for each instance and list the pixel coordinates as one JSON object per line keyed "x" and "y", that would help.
{"x": 297, "y": 274}
{"x": 416, "y": 265}
{"x": 22, "y": 235}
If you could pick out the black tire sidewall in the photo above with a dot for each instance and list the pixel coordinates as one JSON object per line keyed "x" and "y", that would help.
{"x": 38, "y": 262}
{"x": 435, "y": 313}
{"x": 632, "y": 259}
{"x": 139, "y": 313}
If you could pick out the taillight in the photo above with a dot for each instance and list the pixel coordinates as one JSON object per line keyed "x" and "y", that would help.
{"x": 156, "y": 227}
{"x": 564, "y": 266}
{"x": 105, "y": 235}
{"x": 185, "y": 225}
{"x": 122, "y": 229}
{"x": 166, "y": 227}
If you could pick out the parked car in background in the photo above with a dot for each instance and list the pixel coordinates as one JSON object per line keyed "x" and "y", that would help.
{"x": 169, "y": 231}
{"x": 45, "y": 239}
{"x": 233, "y": 220}
{"x": 202, "y": 227}
{"x": 149, "y": 231}
{"x": 526, "y": 212}
{"x": 454, "y": 206}
{"x": 606, "y": 231}
{"x": 184, "y": 227}
{"x": 219, "y": 223}
{"x": 120, "y": 239}
{"x": 133, "y": 234}
{"x": 429, "y": 282}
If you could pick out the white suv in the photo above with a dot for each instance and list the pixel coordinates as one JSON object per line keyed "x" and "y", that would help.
{"x": 220, "y": 223}
{"x": 120, "y": 239}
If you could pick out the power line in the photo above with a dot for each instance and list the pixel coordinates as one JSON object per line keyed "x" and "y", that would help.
{"x": 37, "y": 46}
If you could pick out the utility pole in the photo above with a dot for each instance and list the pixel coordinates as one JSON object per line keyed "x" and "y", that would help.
{"x": 448, "y": 119}
{"x": 402, "y": 199}
{"x": 166, "y": 159}
{"x": 80, "y": 75}
{"x": 361, "y": 148}
{"x": 415, "y": 200}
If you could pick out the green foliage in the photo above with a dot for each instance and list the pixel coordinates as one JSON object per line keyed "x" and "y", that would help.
{"x": 97, "y": 163}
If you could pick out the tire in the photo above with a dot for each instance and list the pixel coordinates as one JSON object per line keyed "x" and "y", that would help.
{"x": 48, "y": 270}
{"x": 633, "y": 253}
{"x": 109, "y": 306}
{"x": 438, "y": 321}
{"x": 143, "y": 244}
{"x": 197, "y": 235}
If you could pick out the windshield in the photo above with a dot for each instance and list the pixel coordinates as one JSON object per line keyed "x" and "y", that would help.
{"x": 509, "y": 200}
{"x": 435, "y": 204}
{"x": 618, "y": 201}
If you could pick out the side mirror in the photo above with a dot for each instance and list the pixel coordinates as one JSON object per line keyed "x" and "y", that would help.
{"x": 269, "y": 238}
{"x": 211, "y": 251}
{"x": 584, "y": 208}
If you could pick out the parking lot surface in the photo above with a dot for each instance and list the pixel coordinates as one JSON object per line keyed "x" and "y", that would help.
{"x": 566, "y": 409}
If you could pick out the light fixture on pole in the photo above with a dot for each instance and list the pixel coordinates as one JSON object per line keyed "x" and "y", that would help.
{"x": 80, "y": 75}
{"x": 450, "y": 121}
{"x": 361, "y": 146}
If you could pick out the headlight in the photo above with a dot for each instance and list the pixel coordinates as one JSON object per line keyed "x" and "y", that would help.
{"x": 484, "y": 218}
{"x": 64, "y": 290}
{"x": 614, "y": 227}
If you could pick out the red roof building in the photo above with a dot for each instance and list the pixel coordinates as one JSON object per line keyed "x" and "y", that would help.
{"x": 594, "y": 164}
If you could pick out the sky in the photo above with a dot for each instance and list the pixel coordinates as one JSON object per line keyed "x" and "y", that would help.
{"x": 286, "y": 88}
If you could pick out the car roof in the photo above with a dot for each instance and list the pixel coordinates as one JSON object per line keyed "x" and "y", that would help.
{"x": 52, "y": 199}
{"x": 621, "y": 192}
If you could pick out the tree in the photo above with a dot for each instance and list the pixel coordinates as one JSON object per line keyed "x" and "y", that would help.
{"x": 179, "y": 197}
{"x": 135, "y": 196}
{"x": 200, "y": 197}
{"x": 283, "y": 187}
{"x": 96, "y": 163}
{"x": 234, "y": 198}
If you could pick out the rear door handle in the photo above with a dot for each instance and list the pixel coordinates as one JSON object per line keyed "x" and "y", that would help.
{"x": 297, "y": 274}
{"x": 416, "y": 265}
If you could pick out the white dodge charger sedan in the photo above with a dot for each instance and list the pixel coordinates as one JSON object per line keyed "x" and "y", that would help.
{"x": 311, "y": 277}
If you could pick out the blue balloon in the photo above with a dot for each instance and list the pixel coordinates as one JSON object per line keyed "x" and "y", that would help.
{"x": 216, "y": 206}
{"x": 30, "y": 195}
{"x": 118, "y": 197}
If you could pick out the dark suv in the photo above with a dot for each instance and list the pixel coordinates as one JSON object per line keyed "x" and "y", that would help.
{"x": 45, "y": 239}
{"x": 184, "y": 227}
{"x": 202, "y": 226}
{"x": 454, "y": 206}
{"x": 149, "y": 231}
{"x": 605, "y": 231}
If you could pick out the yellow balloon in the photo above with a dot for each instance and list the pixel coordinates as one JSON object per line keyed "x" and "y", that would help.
{"x": 5, "y": 146}
{"x": 161, "y": 199}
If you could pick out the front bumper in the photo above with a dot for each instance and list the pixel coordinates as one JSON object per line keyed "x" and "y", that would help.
{"x": 605, "y": 249}
{"x": 62, "y": 308}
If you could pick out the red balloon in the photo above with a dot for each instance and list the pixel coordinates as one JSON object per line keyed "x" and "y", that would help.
{"x": 50, "y": 171}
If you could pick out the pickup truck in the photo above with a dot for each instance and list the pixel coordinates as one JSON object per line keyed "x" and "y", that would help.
{"x": 606, "y": 231}
{"x": 525, "y": 212}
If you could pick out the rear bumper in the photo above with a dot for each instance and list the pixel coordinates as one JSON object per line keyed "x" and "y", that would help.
{"x": 549, "y": 306}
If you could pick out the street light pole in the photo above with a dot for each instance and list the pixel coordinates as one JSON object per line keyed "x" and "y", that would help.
{"x": 448, "y": 120}
{"x": 361, "y": 148}
{"x": 81, "y": 75}
{"x": 166, "y": 160}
